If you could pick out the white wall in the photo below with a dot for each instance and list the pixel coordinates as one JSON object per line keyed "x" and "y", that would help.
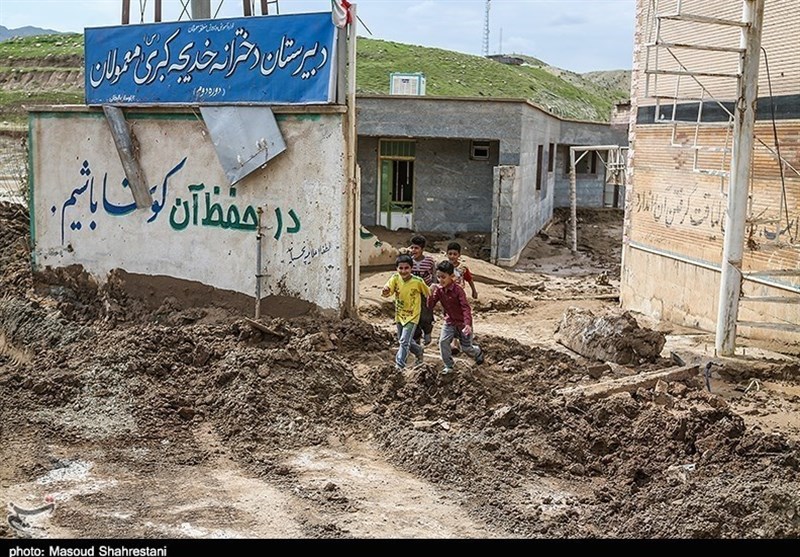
{"x": 302, "y": 193}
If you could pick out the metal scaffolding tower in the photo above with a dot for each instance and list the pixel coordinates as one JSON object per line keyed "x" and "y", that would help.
{"x": 197, "y": 9}
{"x": 486, "y": 30}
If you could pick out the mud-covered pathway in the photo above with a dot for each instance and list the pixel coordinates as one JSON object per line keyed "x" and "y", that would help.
{"x": 187, "y": 422}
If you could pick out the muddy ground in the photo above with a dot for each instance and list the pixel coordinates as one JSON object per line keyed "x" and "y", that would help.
{"x": 119, "y": 419}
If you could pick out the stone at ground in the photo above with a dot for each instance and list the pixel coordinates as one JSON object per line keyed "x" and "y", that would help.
{"x": 614, "y": 336}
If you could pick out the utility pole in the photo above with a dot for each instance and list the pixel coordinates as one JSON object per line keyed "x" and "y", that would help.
{"x": 741, "y": 160}
{"x": 486, "y": 30}
{"x": 201, "y": 9}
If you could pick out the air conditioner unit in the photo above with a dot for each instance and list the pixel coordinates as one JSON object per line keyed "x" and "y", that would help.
{"x": 406, "y": 84}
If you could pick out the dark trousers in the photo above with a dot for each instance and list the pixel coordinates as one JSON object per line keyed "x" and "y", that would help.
{"x": 425, "y": 321}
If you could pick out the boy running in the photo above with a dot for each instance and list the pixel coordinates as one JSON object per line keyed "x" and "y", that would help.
{"x": 462, "y": 273}
{"x": 457, "y": 316}
{"x": 409, "y": 291}
{"x": 423, "y": 267}
{"x": 463, "y": 276}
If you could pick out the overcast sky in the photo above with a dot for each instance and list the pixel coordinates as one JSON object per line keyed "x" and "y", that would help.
{"x": 577, "y": 35}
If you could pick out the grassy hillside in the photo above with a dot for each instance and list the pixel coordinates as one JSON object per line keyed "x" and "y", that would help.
{"x": 454, "y": 74}
{"x": 42, "y": 69}
{"x": 48, "y": 69}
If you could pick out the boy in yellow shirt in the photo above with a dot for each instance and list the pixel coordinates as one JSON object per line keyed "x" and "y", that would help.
{"x": 408, "y": 291}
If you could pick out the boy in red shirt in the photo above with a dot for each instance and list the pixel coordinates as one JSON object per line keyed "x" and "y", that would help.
{"x": 462, "y": 275}
{"x": 457, "y": 316}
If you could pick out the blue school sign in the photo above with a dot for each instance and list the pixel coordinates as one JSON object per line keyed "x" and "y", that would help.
{"x": 260, "y": 59}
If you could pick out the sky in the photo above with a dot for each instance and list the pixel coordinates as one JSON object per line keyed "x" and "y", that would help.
{"x": 576, "y": 35}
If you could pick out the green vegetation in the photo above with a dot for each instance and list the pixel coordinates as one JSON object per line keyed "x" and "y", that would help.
{"x": 41, "y": 47}
{"x": 48, "y": 69}
{"x": 452, "y": 74}
{"x": 42, "y": 69}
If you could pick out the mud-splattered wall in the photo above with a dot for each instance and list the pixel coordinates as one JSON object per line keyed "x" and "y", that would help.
{"x": 198, "y": 228}
{"x": 678, "y": 175}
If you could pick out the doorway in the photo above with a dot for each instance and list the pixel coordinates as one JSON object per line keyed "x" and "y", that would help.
{"x": 396, "y": 184}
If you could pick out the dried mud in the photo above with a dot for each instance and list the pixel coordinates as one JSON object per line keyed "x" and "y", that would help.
{"x": 96, "y": 384}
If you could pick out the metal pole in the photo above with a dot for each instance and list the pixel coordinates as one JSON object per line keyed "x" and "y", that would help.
{"x": 259, "y": 235}
{"x": 741, "y": 160}
{"x": 573, "y": 200}
{"x": 201, "y": 9}
{"x": 353, "y": 209}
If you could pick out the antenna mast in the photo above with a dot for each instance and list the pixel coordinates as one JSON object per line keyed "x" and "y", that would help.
{"x": 486, "y": 31}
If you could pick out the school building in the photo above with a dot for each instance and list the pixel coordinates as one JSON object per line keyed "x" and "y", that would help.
{"x": 499, "y": 166}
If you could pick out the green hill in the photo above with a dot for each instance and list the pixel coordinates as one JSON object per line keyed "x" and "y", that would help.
{"x": 453, "y": 74}
{"x": 48, "y": 69}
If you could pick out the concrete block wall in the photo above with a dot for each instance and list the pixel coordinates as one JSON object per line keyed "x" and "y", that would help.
{"x": 504, "y": 217}
{"x": 452, "y": 193}
{"x": 589, "y": 188}
{"x": 367, "y": 159}
{"x": 198, "y": 228}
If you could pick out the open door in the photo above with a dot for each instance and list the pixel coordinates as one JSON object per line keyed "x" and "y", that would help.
{"x": 396, "y": 187}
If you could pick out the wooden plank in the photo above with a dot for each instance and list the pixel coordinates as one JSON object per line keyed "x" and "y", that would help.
{"x": 765, "y": 325}
{"x": 263, "y": 328}
{"x": 587, "y": 297}
{"x": 771, "y": 299}
{"x": 630, "y": 383}
{"x": 127, "y": 151}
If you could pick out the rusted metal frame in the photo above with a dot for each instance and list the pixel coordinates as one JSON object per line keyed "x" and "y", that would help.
{"x": 184, "y": 10}
{"x": 259, "y": 271}
{"x": 265, "y": 7}
{"x": 573, "y": 187}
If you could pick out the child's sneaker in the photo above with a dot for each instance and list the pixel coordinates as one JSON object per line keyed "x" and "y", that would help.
{"x": 447, "y": 371}
{"x": 426, "y": 339}
{"x": 420, "y": 358}
{"x": 479, "y": 357}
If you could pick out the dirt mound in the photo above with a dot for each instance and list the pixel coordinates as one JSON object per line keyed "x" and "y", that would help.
{"x": 131, "y": 401}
